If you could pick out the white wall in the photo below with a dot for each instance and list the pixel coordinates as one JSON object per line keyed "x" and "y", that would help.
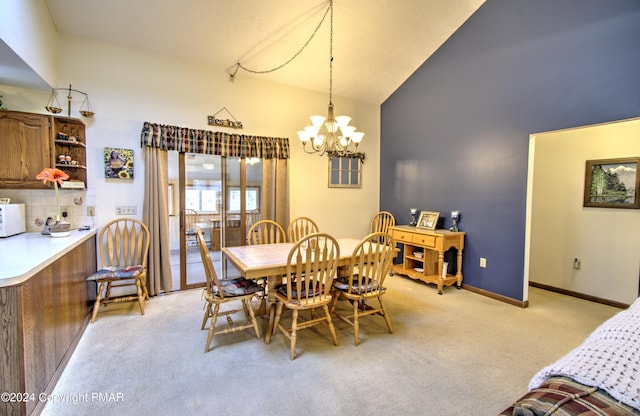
{"x": 127, "y": 87}
{"x": 606, "y": 240}
{"x": 26, "y": 27}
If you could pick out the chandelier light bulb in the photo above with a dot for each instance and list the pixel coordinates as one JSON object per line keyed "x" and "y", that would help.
{"x": 347, "y": 131}
{"x": 317, "y": 121}
{"x": 302, "y": 135}
{"x": 343, "y": 121}
{"x": 311, "y": 131}
{"x": 318, "y": 140}
{"x": 357, "y": 137}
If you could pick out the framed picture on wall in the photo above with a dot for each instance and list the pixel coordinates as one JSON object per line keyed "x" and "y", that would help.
{"x": 118, "y": 163}
{"x": 612, "y": 183}
{"x": 428, "y": 220}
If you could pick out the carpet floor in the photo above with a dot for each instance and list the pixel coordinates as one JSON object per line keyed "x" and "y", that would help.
{"x": 456, "y": 354}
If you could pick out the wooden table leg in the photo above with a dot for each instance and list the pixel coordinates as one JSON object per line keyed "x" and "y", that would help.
{"x": 272, "y": 282}
{"x": 262, "y": 309}
{"x": 272, "y": 317}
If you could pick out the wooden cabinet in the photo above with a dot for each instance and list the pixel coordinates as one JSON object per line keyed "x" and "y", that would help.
{"x": 26, "y": 149}
{"x": 423, "y": 254}
{"x": 32, "y": 142}
{"x": 43, "y": 318}
{"x": 70, "y": 141}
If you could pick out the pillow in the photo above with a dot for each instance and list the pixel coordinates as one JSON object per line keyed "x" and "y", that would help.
{"x": 113, "y": 272}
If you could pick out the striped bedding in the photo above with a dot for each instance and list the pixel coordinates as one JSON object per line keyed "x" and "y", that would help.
{"x": 562, "y": 396}
{"x": 599, "y": 377}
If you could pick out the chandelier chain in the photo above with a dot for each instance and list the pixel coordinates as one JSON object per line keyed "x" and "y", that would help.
{"x": 331, "y": 54}
{"x": 266, "y": 71}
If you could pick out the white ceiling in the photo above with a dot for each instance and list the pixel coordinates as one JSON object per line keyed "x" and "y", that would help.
{"x": 377, "y": 43}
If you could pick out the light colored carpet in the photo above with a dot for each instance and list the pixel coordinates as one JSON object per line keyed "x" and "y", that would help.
{"x": 456, "y": 354}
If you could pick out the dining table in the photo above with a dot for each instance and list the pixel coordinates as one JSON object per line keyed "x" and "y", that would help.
{"x": 270, "y": 261}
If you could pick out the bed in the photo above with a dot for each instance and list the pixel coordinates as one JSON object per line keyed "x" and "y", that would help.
{"x": 599, "y": 377}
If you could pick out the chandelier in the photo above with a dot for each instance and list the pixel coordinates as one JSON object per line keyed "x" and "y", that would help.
{"x": 331, "y": 135}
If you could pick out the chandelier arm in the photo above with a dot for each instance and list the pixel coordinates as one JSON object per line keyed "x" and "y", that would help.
{"x": 238, "y": 65}
{"x": 315, "y": 150}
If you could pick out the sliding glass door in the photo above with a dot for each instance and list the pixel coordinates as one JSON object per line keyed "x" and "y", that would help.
{"x": 219, "y": 195}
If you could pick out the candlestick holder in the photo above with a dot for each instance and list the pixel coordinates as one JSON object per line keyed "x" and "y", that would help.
{"x": 455, "y": 217}
{"x": 414, "y": 217}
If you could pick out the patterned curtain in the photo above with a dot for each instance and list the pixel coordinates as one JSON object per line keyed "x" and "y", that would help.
{"x": 209, "y": 142}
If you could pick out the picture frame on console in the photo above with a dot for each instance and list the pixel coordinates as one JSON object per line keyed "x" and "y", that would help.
{"x": 428, "y": 220}
{"x": 612, "y": 183}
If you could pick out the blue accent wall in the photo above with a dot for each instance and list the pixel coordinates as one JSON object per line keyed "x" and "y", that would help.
{"x": 455, "y": 135}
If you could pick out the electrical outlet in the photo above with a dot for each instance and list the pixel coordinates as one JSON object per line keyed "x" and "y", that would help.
{"x": 483, "y": 262}
{"x": 577, "y": 264}
{"x": 126, "y": 210}
{"x": 91, "y": 211}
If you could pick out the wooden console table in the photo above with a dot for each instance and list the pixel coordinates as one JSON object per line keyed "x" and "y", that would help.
{"x": 423, "y": 254}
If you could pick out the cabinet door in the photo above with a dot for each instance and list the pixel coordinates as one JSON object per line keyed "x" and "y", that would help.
{"x": 26, "y": 149}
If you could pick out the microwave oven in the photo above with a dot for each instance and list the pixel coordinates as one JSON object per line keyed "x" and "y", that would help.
{"x": 12, "y": 219}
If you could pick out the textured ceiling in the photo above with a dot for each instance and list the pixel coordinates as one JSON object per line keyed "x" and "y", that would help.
{"x": 377, "y": 43}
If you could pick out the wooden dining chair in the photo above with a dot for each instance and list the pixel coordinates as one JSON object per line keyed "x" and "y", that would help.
{"x": 301, "y": 227}
{"x": 311, "y": 268}
{"x": 251, "y": 218}
{"x": 381, "y": 222}
{"x": 191, "y": 219}
{"x": 218, "y": 292}
{"x": 123, "y": 247}
{"x": 370, "y": 263}
{"x": 266, "y": 232}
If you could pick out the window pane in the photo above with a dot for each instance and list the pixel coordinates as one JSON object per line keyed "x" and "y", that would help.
{"x": 209, "y": 200}
{"x": 233, "y": 203}
{"x": 192, "y": 199}
{"x": 335, "y": 177}
{"x": 252, "y": 199}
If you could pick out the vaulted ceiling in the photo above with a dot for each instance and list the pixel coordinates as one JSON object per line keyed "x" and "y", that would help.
{"x": 377, "y": 43}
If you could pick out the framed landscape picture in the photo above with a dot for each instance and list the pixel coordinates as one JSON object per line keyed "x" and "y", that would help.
{"x": 612, "y": 183}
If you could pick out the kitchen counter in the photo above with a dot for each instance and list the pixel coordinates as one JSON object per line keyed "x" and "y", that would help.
{"x": 45, "y": 302}
{"x": 24, "y": 255}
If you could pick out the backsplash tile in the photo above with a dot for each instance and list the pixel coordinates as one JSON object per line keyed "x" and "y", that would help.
{"x": 40, "y": 204}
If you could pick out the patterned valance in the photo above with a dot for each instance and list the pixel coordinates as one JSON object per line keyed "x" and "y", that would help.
{"x": 218, "y": 143}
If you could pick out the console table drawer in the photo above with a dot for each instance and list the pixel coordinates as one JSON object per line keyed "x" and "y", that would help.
{"x": 424, "y": 240}
{"x": 402, "y": 237}
{"x": 416, "y": 238}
